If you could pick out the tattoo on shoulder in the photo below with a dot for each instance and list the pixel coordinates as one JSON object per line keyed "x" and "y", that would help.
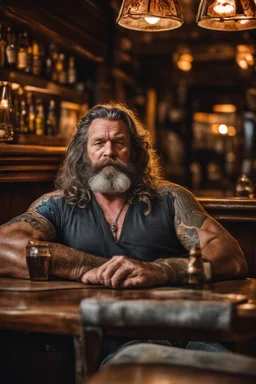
{"x": 44, "y": 198}
{"x": 38, "y": 222}
{"x": 189, "y": 216}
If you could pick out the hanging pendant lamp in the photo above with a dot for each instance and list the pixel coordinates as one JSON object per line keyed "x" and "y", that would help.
{"x": 227, "y": 15}
{"x": 150, "y": 15}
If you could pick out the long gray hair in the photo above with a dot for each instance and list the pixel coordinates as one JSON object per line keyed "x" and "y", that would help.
{"x": 145, "y": 161}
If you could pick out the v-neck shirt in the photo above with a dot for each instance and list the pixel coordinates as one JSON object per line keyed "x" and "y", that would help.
{"x": 142, "y": 237}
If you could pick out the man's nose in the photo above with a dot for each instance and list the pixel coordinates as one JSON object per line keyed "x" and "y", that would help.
{"x": 109, "y": 149}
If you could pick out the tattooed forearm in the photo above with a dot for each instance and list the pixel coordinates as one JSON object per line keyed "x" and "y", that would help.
{"x": 175, "y": 269}
{"x": 71, "y": 263}
{"x": 38, "y": 222}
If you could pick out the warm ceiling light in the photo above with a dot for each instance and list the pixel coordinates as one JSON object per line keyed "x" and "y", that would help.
{"x": 150, "y": 15}
{"x": 152, "y": 20}
{"x": 227, "y": 15}
{"x": 224, "y": 108}
{"x": 184, "y": 65}
{"x": 223, "y": 129}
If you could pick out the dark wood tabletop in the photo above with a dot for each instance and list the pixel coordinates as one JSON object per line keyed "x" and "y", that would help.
{"x": 53, "y": 306}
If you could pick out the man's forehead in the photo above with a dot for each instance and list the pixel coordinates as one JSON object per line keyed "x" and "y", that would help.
{"x": 103, "y": 126}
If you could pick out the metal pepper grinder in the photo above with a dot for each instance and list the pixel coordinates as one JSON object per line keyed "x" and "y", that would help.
{"x": 195, "y": 270}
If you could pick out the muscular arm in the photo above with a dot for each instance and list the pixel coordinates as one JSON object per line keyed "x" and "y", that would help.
{"x": 195, "y": 227}
{"x": 66, "y": 262}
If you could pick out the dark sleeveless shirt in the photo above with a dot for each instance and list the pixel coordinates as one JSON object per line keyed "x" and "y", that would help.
{"x": 142, "y": 237}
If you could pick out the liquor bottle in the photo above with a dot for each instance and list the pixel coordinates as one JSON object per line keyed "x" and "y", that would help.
{"x": 48, "y": 68}
{"x": 51, "y": 121}
{"x": 244, "y": 187}
{"x": 17, "y": 101}
{"x": 11, "y": 49}
{"x": 6, "y": 109}
{"x": 53, "y": 55}
{"x": 40, "y": 118}
{"x": 22, "y": 51}
{"x": 23, "y": 117}
{"x": 31, "y": 114}
{"x": 61, "y": 69}
{"x": 2, "y": 48}
{"x": 37, "y": 59}
{"x": 29, "y": 67}
{"x": 72, "y": 75}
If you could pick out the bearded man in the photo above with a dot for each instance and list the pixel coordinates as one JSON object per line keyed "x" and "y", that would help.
{"x": 113, "y": 220}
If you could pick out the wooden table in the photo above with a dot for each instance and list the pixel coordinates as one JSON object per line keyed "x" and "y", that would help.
{"x": 52, "y": 308}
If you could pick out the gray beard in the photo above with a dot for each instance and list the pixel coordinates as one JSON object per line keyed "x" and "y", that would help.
{"x": 109, "y": 180}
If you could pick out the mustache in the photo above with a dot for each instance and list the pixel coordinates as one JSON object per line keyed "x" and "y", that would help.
{"x": 128, "y": 169}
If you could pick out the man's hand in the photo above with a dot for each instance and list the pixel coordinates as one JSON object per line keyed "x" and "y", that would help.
{"x": 122, "y": 272}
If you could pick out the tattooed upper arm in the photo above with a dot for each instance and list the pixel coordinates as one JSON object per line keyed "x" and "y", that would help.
{"x": 36, "y": 219}
{"x": 189, "y": 216}
{"x": 38, "y": 222}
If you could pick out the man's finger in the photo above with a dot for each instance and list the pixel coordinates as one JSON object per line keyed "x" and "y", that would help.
{"x": 90, "y": 277}
{"x": 120, "y": 275}
{"x": 132, "y": 282}
{"x": 106, "y": 271}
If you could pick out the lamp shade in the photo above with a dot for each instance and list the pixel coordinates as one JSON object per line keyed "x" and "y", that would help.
{"x": 227, "y": 15}
{"x": 150, "y": 15}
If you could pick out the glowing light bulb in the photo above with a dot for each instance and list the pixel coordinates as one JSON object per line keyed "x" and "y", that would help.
{"x": 184, "y": 65}
{"x": 152, "y": 20}
{"x": 243, "y": 64}
{"x": 223, "y": 129}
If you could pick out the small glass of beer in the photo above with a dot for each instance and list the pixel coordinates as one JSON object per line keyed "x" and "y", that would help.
{"x": 38, "y": 259}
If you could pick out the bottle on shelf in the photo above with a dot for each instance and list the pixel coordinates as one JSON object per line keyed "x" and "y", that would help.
{"x": 29, "y": 67}
{"x": 23, "y": 117}
{"x": 6, "y": 114}
{"x": 72, "y": 75}
{"x": 2, "y": 48}
{"x": 40, "y": 118}
{"x": 48, "y": 67}
{"x": 31, "y": 113}
{"x": 51, "y": 121}
{"x": 61, "y": 69}
{"x": 22, "y": 51}
{"x": 18, "y": 95}
{"x": 244, "y": 187}
{"x": 11, "y": 49}
{"x": 53, "y": 55}
{"x": 37, "y": 59}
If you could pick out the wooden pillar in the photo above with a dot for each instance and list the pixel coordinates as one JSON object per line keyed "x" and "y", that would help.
{"x": 151, "y": 114}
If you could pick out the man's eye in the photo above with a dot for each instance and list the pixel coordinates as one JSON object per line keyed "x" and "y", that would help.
{"x": 98, "y": 144}
{"x": 120, "y": 143}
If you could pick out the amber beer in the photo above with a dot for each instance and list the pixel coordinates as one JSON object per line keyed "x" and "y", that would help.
{"x": 38, "y": 259}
